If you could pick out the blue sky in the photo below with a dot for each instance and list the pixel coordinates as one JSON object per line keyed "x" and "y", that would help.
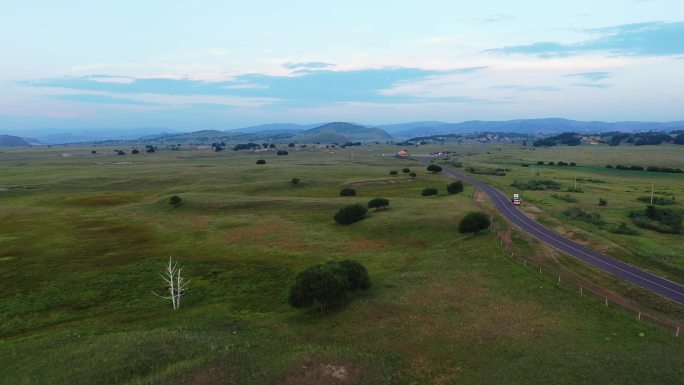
{"x": 220, "y": 65}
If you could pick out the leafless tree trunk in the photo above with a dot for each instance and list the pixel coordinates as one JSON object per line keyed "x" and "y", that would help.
{"x": 176, "y": 283}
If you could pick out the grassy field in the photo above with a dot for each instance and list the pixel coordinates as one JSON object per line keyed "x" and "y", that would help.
{"x": 84, "y": 236}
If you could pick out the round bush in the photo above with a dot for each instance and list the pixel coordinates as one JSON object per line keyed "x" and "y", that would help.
{"x": 393, "y": 172}
{"x": 325, "y": 284}
{"x": 350, "y": 214}
{"x": 347, "y": 192}
{"x": 473, "y": 222}
{"x": 357, "y": 275}
{"x": 412, "y": 174}
{"x": 294, "y": 181}
{"x": 260, "y": 161}
{"x": 429, "y": 191}
{"x": 405, "y": 170}
{"x": 455, "y": 187}
{"x": 433, "y": 168}
{"x": 175, "y": 200}
{"x": 378, "y": 203}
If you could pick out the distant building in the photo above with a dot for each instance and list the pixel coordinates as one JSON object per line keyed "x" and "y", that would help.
{"x": 401, "y": 154}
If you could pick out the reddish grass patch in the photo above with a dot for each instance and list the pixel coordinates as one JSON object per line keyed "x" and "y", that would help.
{"x": 325, "y": 374}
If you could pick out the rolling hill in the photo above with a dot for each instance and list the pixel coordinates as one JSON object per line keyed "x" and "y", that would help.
{"x": 350, "y": 132}
{"x": 13, "y": 141}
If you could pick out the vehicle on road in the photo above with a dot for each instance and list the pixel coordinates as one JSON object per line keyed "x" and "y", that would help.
{"x": 516, "y": 199}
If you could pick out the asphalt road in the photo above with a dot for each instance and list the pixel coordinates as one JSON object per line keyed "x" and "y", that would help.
{"x": 649, "y": 281}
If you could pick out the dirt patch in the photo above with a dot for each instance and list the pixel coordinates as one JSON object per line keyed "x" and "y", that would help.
{"x": 269, "y": 233}
{"x": 361, "y": 245}
{"x": 479, "y": 197}
{"x": 325, "y": 374}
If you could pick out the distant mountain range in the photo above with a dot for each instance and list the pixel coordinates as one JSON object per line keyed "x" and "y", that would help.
{"x": 341, "y": 131}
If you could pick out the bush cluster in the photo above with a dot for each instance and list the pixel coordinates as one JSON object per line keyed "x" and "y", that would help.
{"x": 473, "y": 222}
{"x": 350, "y": 214}
{"x": 327, "y": 283}
{"x": 429, "y": 191}
{"x": 580, "y": 214}
{"x": 537, "y": 184}
{"x": 347, "y": 192}
{"x": 455, "y": 187}
{"x": 661, "y": 220}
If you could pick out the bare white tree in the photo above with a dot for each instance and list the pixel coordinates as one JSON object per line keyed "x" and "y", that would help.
{"x": 176, "y": 283}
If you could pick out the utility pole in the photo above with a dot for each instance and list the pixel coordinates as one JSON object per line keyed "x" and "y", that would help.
{"x": 575, "y": 183}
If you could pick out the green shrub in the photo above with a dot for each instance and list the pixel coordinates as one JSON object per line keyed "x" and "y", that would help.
{"x": 327, "y": 283}
{"x": 412, "y": 174}
{"x": 537, "y": 184}
{"x": 378, "y": 203}
{"x": 347, "y": 192}
{"x": 429, "y": 191}
{"x": 661, "y": 201}
{"x": 405, "y": 170}
{"x": 455, "y": 187}
{"x": 357, "y": 275}
{"x": 565, "y": 198}
{"x": 580, "y": 214}
{"x": 623, "y": 229}
{"x": 603, "y": 202}
{"x": 393, "y": 172}
{"x": 661, "y": 220}
{"x": 260, "y": 161}
{"x": 473, "y": 222}
{"x": 486, "y": 171}
{"x": 175, "y": 200}
{"x": 433, "y": 168}
{"x": 350, "y": 214}
{"x": 294, "y": 181}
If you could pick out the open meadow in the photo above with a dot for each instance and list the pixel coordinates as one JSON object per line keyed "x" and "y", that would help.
{"x": 84, "y": 237}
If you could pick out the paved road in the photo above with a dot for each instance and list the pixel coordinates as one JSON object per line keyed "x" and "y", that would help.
{"x": 652, "y": 282}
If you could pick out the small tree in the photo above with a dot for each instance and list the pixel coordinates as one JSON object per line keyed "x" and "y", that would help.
{"x": 473, "y": 222}
{"x": 412, "y": 174}
{"x": 119, "y": 152}
{"x": 455, "y": 187}
{"x": 350, "y": 214}
{"x": 378, "y": 203}
{"x": 429, "y": 191}
{"x": 281, "y": 152}
{"x": 93, "y": 152}
{"x": 393, "y": 172}
{"x": 405, "y": 170}
{"x": 175, "y": 283}
{"x": 603, "y": 202}
{"x": 135, "y": 151}
{"x": 347, "y": 192}
{"x": 175, "y": 201}
{"x": 325, "y": 284}
{"x": 290, "y": 145}
{"x": 433, "y": 168}
{"x": 357, "y": 275}
{"x": 294, "y": 181}
{"x": 260, "y": 161}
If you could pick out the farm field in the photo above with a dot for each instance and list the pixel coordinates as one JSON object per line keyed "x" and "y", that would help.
{"x": 84, "y": 236}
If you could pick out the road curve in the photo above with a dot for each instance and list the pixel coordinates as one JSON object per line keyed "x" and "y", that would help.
{"x": 654, "y": 283}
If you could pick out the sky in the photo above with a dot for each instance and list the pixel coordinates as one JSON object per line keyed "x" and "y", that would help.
{"x": 227, "y": 64}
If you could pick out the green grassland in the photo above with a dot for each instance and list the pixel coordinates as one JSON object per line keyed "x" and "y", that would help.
{"x": 83, "y": 238}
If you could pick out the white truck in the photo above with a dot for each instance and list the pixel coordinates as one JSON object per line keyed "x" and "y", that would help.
{"x": 516, "y": 199}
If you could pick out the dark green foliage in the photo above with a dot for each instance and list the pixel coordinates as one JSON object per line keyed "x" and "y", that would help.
{"x": 412, "y": 174}
{"x": 456, "y": 164}
{"x": 119, "y": 152}
{"x": 573, "y": 164}
{"x": 551, "y": 164}
{"x": 429, "y": 191}
{"x": 544, "y": 143}
{"x": 662, "y": 201}
{"x": 524, "y": 165}
{"x": 473, "y": 222}
{"x": 290, "y": 145}
{"x": 405, "y": 170}
{"x": 281, "y": 152}
{"x": 93, "y": 152}
{"x": 350, "y": 214}
{"x": 486, "y": 171}
{"x": 603, "y": 202}
{"x": 294, "y": 181}
{"x": 658, "y": 219}
{"x": 393, "y": 172}
{"x": 135, "y": 151}
{"x": 175, "y": 200}
{"x": 537, "y": 184}
{"x": 260, "y": 161}
{"x": 623, "y": 229}
{"x": 347, "y": 192}
{"x": 679, "y": 139}
{"x": 575, "y": 190}
{"x": 433, "y": 168}
{"x": 357, "y": 275}
{"x": 540, "y": 162}
{"x": 455, "y": 187}
{"x": 378, "y": 203}
{"x": 324, "y": 284}
{"x": 566, "y": 198}
{"x": 241, "y": 146}
{"x": 327, "y": 283}
{"x": 609, "y": 166}
{"x": 580, "y": 214}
